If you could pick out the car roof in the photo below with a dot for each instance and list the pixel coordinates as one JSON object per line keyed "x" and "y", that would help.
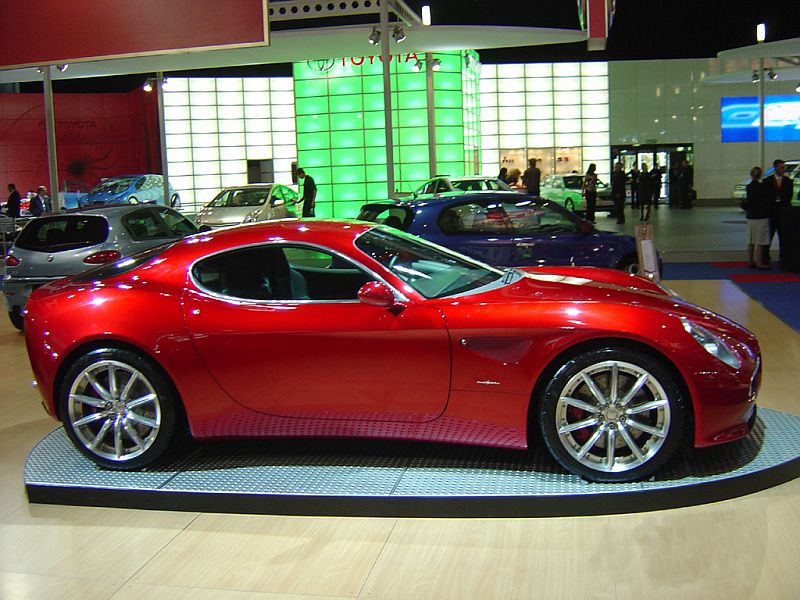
{"x": 452, "y": 198}
{"x": 248, "y": 186}
{"x": 107, "y": 209}
{"x": 472, "y": 178}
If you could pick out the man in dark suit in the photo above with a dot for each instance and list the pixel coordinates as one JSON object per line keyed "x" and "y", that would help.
{"x": 12, "y": 206}
{"x": 778, "y": 192}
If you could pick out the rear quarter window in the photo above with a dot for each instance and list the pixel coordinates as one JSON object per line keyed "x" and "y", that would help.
{"x": 63, "y": 233}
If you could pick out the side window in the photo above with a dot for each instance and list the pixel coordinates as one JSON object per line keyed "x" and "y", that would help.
{"x": 532, "y": 218}
{"x": 140, "y": 183}
{"x": 475, "y": 218}
{"x": 177, "y": 225}
{"x": 493, "y": 185}
{"x": 280, "y": 272}
{"x": 144, "y": 224}
{"x": 442, "y": 186}
{"x": 277, "y": 198}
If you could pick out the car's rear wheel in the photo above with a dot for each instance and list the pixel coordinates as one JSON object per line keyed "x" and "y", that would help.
{"x": 15, "y": 316}
{"x": 133, "y": 200}
{"x": 569, "y": 204}
{"x": 118, "y": 408}
{"x": 613, "y": 415}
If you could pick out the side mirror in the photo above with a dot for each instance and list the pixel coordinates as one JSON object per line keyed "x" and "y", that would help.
{"x": 585, "y": 227}
{"x": 376, "y": 293}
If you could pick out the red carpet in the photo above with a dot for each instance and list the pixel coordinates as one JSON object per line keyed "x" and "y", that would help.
{"x": 730, "y": 265}
{"x": 763, "y": 277}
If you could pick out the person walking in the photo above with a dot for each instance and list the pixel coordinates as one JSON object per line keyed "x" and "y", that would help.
{"x": 590, "y": 191}
{"x": 309, "y": 193}
{"x": 532, "y": 178}
{"x": 12, "y": 205}
{"x": 618, "y": 192}
{"x": 778, "y": 191}
{"x": 645, "y": 193}
{"x": 634, "y": 179}
{"x": 757, "y": 209}
{"x": 655, "y": 181}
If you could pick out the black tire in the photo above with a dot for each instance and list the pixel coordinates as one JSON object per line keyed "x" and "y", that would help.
{"x": 569, "y": 205}
{"x": 629, "y": 264}
{"x": 164, "y": 409}
{"x": 16, "y": 318}
{"x": 558, "y": 413}
{"x": 133, "y": 200}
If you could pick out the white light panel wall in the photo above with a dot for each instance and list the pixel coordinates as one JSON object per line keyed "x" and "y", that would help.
{"x": 215, "y": 125}
{"x": 545, "y": 106}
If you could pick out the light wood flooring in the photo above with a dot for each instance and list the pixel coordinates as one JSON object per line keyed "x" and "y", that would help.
{"x": 743, "y": 548}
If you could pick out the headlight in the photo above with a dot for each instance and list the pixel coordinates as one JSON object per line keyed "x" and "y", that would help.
{"x": 253, "y": 216}
{"x": 712, "y": 344}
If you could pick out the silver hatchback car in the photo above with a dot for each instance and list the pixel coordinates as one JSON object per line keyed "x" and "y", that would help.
{"x": 61, "y": 245}
{"x": 248, "y": 204}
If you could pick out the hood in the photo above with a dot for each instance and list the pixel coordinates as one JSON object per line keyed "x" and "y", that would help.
{"x": 225, "y": 215}
{"x": 580, "y": 285}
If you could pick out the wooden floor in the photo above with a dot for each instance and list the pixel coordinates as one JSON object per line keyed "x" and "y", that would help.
{"x": 743, "y": 548}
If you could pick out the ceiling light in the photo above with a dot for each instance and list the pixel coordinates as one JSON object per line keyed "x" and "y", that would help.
{"x": 63, "y": 67}
{"x": 772, "y": 75}
{"x": 426, "y": 14}
{"x": 374, "y": 37}
{"x": 417, "y": 66}
{"x": 436, "y": 64}
{"x": 761, "y": 32}
{"x": 398, "y": 34}
{"x": 148, "y": 86}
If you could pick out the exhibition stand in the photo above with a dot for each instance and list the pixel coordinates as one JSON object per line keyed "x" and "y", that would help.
{"x": 382, "y": 478}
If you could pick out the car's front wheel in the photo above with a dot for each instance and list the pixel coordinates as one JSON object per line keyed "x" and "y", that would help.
{"x": 613, "y": 415}
{"x": 118, "y": 409}
{"x": 569, "y": 204}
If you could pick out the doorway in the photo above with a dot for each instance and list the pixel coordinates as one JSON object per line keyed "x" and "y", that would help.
{"x": 661, "y": 156}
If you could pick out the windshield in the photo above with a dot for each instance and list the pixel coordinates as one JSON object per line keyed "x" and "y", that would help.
{"x": 431, "y": 270}
{"x": 114, "y": 186}
{"x": 241, "y": 198}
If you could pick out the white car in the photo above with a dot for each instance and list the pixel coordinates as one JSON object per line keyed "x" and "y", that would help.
{"x": 442, "y": 184}
{"x": 792, "y": 171}
{"x": 248, "y": 204}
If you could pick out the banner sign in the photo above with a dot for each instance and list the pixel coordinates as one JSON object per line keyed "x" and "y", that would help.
{"x": 42, "y": 32}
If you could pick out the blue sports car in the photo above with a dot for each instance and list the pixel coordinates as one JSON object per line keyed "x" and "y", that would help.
{"x": 508, "y": 229}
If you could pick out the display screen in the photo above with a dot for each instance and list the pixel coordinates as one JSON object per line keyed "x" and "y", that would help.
{"x": 781, "y": 119}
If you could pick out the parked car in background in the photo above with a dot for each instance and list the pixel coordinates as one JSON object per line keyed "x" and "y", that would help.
{"x": 248, "y": 204}
{"x": 442, "y": 184}
{"x": 72, "y": 194}
{"x": 508, "y": 229}
{"x": 131, "y": 189}
{"x": 792, "y": 171}
{"x": 56, "y": 246}
{"x": 566, "y": 191}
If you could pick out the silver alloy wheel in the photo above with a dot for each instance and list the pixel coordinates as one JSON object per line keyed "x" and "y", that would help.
{"x": 114, "y": 410}
{"x": 613, "y": 416}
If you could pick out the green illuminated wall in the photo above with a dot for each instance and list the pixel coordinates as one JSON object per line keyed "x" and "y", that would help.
{"x": 341, "y": 138}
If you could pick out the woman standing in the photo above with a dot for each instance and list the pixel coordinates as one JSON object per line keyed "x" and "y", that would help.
{"x": 757, "y": 208}
{"x": 645, "y": 193}
{"x": 590, "y": 191}
{"x": 503, "y": 175}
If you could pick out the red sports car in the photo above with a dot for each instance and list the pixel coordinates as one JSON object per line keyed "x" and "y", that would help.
{"x": 330, "y": 328}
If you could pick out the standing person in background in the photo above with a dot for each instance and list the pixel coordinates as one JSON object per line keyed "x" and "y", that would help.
{"x": 634, "y": 179}
{"x": 532, "y": 177}
{"x": 618, "y": 192}
{"x": 37, "y": 204}
{"x": 46, "y": 200}
{"x": 655, "y": 180}
{"x": 674, "y": 183}
{"x": 687, "y": 193}
{"x": 12, "y": 206}
{"x": 757, "y": 207}
{"x": 309, "y": 193}
{"x": 645, "y": 193}
{"x": 503, "y": 175}
{"x": 513, "y": 178}
{"x": 590, "y": 191}
{"x": 778, "y": 191}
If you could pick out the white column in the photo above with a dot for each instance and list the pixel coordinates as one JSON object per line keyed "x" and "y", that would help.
{"x": 162, "y": 135}
{"x": 387, "y": 96}
{"x": 50, "y": 130}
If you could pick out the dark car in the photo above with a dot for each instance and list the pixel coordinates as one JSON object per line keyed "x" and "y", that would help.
{"x": 508, "y": 229}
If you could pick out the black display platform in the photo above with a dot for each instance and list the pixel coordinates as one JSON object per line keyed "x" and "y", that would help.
{"x": 379, "y": 478}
